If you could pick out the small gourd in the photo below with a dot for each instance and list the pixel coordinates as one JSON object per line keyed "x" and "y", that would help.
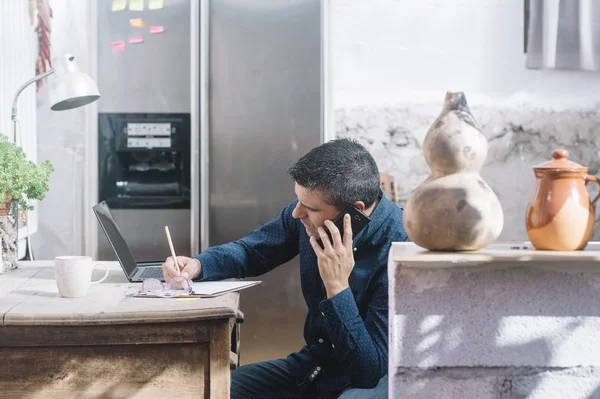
{"x": 454, "y": 209}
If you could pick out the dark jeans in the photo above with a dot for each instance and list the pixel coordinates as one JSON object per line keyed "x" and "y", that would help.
{"x": 271, "y": 380}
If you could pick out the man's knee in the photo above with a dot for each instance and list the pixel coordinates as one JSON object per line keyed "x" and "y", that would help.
{"x": 261, "y": 379}
{"x": 379, "y": 392}
{"x": 240, "y": 378}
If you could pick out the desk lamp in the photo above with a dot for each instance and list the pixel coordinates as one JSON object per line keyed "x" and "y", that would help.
{"x": 69, "y": 89}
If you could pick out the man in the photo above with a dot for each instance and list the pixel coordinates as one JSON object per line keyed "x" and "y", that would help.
{"x": 345, "y": 282}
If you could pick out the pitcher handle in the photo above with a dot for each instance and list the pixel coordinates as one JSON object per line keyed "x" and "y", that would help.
{"x": 590, "y": 178}
{"x": 107, "y": 271}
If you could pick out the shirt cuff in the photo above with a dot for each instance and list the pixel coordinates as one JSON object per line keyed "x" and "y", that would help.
{"x": 338, "y": 309}
{"x": 208, "y": 267}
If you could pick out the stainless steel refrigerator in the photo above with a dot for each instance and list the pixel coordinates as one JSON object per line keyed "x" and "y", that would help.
{"x": 206, "y": 104}
{"x": 144, "y": 124}
{"x": 261, "y": 77}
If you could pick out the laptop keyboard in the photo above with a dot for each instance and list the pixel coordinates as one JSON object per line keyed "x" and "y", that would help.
{"x": 151, "y": 272}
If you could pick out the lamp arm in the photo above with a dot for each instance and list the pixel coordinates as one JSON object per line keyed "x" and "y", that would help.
{"x": 13, "y": 114}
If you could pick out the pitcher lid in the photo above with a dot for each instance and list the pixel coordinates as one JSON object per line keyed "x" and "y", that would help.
{"x": 560, "y": 162}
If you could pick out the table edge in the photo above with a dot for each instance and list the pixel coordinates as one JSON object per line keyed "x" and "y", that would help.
{"x": 83, "y": 319}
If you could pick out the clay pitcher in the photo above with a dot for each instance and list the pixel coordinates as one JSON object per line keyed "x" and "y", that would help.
{"x": 560, "y": 215}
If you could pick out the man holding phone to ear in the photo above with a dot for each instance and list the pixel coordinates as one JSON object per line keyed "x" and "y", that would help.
{"x": 343, "y": 276}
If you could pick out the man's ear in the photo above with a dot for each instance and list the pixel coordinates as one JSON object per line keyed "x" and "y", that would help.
{"x": 359, "y": 205}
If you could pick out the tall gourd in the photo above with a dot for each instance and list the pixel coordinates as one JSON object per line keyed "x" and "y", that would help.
{"x": 454, "y": 209}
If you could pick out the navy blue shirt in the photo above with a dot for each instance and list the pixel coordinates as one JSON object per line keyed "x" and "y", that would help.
{"x": 347, "y": 334}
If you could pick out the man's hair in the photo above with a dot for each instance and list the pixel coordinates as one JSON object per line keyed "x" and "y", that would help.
{"x": 343, "y": 170}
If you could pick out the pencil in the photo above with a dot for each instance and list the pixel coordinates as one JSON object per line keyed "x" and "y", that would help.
{"x": 172, "y": 249}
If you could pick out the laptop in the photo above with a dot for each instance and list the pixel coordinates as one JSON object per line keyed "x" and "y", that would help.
{"x": 134, "y": 270}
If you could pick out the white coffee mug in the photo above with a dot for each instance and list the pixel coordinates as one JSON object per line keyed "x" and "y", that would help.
{"x": 73, "y": 275}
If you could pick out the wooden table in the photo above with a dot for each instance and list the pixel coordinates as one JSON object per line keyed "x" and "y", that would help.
{"x": 107, "y": 345}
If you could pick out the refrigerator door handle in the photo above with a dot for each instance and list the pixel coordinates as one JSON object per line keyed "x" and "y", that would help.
{"x": 199, "y": 213}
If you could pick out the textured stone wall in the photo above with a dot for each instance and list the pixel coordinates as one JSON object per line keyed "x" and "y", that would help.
{"x": 518, "y": 139}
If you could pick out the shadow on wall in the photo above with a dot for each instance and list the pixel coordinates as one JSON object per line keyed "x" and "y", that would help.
{"x": 444, "y": 342}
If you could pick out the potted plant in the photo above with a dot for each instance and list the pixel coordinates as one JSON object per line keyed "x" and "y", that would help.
{"x": 21, "y": 181}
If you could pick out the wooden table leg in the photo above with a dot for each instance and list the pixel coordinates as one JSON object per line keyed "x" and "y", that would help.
{"x": 220, "y": 346}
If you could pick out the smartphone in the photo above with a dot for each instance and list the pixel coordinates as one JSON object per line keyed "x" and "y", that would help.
{"x": 358, "y": 219}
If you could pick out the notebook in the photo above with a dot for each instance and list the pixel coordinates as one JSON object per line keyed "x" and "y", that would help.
{"x": 216, "y": 288}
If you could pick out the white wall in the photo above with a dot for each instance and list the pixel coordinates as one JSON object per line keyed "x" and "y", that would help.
{"x": 393, "y": 61}
{"x": 62, "y": 138}
{"x": 388, "y": 52}
{"x": 17, "y": 65}
{"x": 18, "y": 53}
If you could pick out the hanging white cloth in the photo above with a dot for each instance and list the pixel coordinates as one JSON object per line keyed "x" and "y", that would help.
{"x": 563, "y": 34}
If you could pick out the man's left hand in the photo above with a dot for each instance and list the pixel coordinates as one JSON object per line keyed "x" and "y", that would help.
{"x": 336, "y": 259}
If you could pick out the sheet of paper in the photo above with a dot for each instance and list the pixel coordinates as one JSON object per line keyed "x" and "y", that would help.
{"x": 136, "y": 5}
{"x": 155, "y": 4}
{"x": 137, "y": 23}
{"x": 136, "y": 40}
{"x": 216, "y": 287}
{"x": 119, "y": 5}
{"x": 157, "y": 29}
{"x": 118, "y": 46}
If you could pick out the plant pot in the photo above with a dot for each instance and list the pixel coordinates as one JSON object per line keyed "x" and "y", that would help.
{"x": 8, "y": 237}
{"x": 6, "y": 206}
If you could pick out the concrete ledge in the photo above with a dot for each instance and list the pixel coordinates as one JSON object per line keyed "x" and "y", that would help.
{"x": 494, "y": 330}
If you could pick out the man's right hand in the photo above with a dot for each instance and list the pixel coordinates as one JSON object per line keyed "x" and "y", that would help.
{"x": 190, "y": 268}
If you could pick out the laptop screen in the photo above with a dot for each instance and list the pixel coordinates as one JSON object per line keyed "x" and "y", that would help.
{"x": 114, "y": 236}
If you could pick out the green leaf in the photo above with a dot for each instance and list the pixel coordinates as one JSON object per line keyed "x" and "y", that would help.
{"x": 20, "y": 178}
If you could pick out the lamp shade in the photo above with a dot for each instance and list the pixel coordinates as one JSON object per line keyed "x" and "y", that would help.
{"x": 70, "y": 88}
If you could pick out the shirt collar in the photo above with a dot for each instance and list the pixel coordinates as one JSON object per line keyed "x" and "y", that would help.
{"x": 378, "y": 216}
